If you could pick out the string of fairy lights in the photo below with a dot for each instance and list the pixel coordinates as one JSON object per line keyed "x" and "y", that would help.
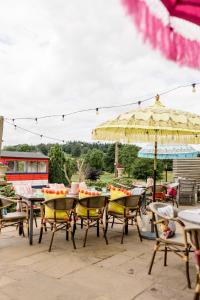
{"x": 12, "y": 121}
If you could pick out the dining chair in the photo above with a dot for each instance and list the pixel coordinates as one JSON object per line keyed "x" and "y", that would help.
{"x": 91, "y": 210}
{"x": 14, "y": 218}
{"x": 194, "y": 239}
{"x": 129, "y": 210}
{"x": 59, "y": 213}
{"x": 24, "y": 189}
{"x": 177, "y": 243}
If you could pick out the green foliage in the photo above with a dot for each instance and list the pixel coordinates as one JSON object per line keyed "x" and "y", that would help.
{"x": 109, "y": 159}
{"x": 95, "y": 159}
{"x": 71, "y": 166}
{"x": 56, "y": 165}
{"x": 99, "y": 184}
{"x": 143, "y": 168}
{"x": 7, "y": 191}
{"x": 127, "y": 156}
{"x": 22, "y": 147}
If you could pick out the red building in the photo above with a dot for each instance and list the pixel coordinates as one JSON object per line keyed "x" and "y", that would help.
{"x": 26, "y": 167}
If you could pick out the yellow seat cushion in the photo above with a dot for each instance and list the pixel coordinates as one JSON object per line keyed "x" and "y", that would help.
{"x": 81, "y": 210}
{"x": 49, "y": 213}
{"x": 114, "y": 194}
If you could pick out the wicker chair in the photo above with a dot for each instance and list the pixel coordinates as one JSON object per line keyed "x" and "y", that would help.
{"x": 194, "y": 234}
{"x": 186, "y": 192}
{"x": 131, "y": 209}
{"x": 91, "y": 219}
{"x": 176, "y": 244}
{"x": 59, "y": 205}
{"x": 16, "y": 218}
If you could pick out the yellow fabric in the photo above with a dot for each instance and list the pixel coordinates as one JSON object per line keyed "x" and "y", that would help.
{"x": 49, "y": 213}
{"x": 82, "y": 211}
{"x": 113, "y": 206}
{"x": 145, "y": 124}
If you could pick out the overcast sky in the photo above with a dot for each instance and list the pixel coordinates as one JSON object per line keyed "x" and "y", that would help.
{"x": 59, "y": 56}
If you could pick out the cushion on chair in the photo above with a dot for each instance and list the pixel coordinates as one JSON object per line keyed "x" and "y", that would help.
{"x": 167, "y": 227}
{"x": 114, "y": 194}
{"x": 14, "y": 216}
{"x": 53, "y": 194}
{"x": 82, "y": 211}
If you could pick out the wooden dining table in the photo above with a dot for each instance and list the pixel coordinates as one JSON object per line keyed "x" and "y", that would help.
{"x": 32, "y": 199}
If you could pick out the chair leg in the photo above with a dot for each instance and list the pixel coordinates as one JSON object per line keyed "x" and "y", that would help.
{"x": 81, "y": 223}
{"x": 52, "y": 237}
{"x": 45, "y": 226}
{"x": 126, "y": 227}
{"x": 72, "y": 237}
{"x": 123, "y": 229}
{"x": 153, "y": 257}
{"x": 187, "y": 268}
{"x": 41, "y": 233}
{"x": 67, "y": 232}
{"x": 97, "y": 228}
{"x": 20, "y": 224}
{"x": 85, "y": 238}
{"x": 113, "y": 221}
{"x": 165, "y": 257}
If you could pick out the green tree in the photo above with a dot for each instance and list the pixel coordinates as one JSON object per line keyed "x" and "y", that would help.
{"x": 127, "y": 156}
{"x": 143, "y": 168}
{"x": 95, "y": 159}
{"x": 109, "y": 159}
{"x": 70, "y": 167}
{"x": 56, "y": 165}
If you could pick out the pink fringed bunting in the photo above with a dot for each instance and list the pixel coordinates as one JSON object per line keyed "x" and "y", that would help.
{"x": 172, "y": 45}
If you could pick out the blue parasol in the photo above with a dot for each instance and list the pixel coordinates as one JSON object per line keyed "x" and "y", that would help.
{"x": 168, "y": 152}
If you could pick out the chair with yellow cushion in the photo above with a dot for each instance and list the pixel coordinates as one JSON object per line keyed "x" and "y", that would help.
{"x": 90, "y": 210}
{"x": 59, "y": 213}
{"x": 123, "y": 209}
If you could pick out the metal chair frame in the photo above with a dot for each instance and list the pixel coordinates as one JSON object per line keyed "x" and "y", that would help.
{"x": 131, "y": 209}
{"x": 59, "y": 204}
{"x": 169, "y": 245}
{"x": 90, "y": 203}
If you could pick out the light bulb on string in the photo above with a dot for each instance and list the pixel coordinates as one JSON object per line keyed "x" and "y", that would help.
{"x": 63, "y": 117}
{"x": 36, "y": 120}
{"x": 41, "y": 135}
{"x": 139, "y": 103}
{"x": 97, "y": 111}
{"x": 15, "y": 126}
{"x": 194, "y": 87}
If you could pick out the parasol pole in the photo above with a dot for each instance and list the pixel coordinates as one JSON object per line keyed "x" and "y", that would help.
{"x": 166, "y": 172}
{"x": 155, "y": 167}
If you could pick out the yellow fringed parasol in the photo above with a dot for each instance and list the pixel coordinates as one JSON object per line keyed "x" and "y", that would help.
{"x": 156, "y": 123}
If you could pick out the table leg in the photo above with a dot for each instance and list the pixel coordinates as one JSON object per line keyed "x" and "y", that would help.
{"x": 31, "y": 225}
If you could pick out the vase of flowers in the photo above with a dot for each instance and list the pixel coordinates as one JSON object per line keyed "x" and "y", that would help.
{"x": 3, "y": 169}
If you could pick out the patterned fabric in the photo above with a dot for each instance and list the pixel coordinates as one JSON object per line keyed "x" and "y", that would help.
{"x": 167, "y": 227}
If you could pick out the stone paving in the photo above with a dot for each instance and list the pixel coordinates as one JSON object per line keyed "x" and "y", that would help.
{"x": 97, "y": 272}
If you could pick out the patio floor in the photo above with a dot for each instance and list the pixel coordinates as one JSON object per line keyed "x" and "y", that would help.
{"x": 98, "y": 272}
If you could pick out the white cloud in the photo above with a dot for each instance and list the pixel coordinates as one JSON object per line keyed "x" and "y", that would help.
{"x": 61, "y": 56}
